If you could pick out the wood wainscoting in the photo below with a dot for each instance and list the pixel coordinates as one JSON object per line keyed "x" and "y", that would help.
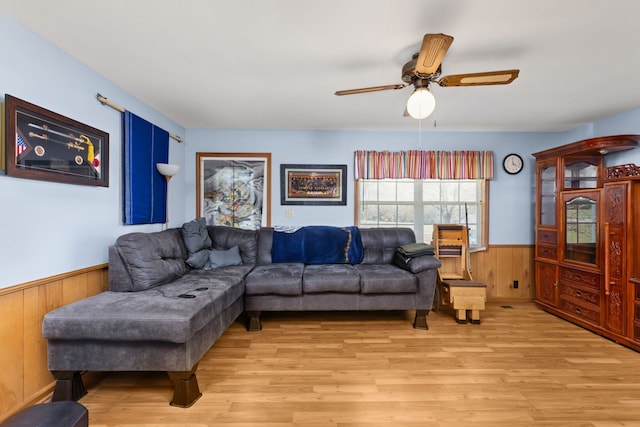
{"x": 499, "y": 266}
{"x": 24, "y": 377}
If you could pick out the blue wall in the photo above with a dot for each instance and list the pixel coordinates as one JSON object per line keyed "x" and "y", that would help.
{"x": 511, "y": 197}
{"x": 51, "y": 228}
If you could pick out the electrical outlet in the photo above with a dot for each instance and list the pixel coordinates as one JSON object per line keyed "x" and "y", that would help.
{"x": 515, "y": 284}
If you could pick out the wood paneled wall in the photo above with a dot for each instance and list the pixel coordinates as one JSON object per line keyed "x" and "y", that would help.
{"x": 24, "y": 377}
{"x": 499, "y": 266}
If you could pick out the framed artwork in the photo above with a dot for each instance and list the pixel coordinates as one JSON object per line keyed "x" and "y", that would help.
{"x": 233, "y": 189}
{"x": 44, "y": 145}
{"x": 313, "y": 184}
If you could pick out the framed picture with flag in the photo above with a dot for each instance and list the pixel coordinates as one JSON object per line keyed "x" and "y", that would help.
{"x": 43, "y": 145}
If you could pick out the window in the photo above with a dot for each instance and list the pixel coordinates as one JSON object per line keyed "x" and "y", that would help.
{"x": 419, "y": 204}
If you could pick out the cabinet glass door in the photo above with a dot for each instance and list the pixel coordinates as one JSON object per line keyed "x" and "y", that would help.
{"x": 580, "y": 174}
{"x": 547, "y": 202}
{"x": 581, "y": 229}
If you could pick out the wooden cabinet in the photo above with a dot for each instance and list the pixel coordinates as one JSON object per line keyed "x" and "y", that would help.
{"x": 616, "y": 250}
{"x": 588, "y": 237}
{"x": 634, "y": 284}
{"x": 547, "y": 283}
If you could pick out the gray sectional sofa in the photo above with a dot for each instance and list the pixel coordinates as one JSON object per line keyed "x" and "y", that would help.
{"x": 173, "y": 293}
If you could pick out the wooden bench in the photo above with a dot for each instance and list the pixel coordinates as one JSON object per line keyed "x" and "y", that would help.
{"x": 464, "y": 296}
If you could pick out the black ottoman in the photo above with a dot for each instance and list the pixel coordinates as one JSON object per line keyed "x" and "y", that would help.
{"x": 53, "y": 414}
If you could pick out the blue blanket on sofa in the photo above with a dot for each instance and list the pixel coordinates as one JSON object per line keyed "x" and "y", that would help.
{"x": 318, "y": 244}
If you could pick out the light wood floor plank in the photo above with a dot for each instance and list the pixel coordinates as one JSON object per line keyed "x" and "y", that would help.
{"x": 519, "y": 367}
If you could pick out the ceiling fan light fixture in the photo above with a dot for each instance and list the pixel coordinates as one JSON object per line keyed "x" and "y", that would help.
{"x": 421, "y": 103}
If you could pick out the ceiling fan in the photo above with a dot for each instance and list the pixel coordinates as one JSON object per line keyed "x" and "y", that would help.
{"x": 425, "y": 68}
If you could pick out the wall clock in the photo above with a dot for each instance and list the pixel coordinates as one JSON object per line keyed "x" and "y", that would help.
{"x": 512, "y": 164}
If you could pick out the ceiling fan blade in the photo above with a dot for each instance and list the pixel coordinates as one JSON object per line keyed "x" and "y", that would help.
{"x": 480, "y": 79}
{"x": 434, "y": 48}
{"x": 370, "y": 89}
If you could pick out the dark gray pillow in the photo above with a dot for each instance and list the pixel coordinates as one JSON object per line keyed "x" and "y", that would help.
{"x": 221, "y": 258}
{"x": 199, "y": 259}
{"x": 195, "y": 235}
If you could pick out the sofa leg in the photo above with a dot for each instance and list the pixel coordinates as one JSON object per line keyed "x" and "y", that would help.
{"x": 69, "y": 386}
{"x": 420, "y": 321}
{"x": 186, "y": 390}
{"x": 254, "y": 321}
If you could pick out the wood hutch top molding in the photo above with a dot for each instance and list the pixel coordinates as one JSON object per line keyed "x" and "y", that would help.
{"x": 628, "y": 171}
{"x": 593, "y": 146}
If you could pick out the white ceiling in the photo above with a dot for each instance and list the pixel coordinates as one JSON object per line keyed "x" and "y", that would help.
{"x": 275, "y": 64}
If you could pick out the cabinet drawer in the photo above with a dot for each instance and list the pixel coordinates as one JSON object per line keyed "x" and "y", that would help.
{"x": 547, "y": 252}
{"x": 636, "y": 294}
{"x": 636, "y": 312}
{"x": 578, "y": 310}
{"x": 580, "y": 277}
{"x": 547, "y": 236}
{"x": 590, "y": 296}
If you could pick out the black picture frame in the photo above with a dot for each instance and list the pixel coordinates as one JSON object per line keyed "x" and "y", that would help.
{"x": 313, "y": 184}
{"x": 44, "y": 145}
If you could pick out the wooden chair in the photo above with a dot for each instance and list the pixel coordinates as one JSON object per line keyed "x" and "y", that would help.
{"x": 457, "y": 288}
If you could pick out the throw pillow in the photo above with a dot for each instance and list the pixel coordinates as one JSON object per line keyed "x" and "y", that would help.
{"x": 221, "y": 258}
{"x": 195, "y": 235}
{"x": 199, "y": 259}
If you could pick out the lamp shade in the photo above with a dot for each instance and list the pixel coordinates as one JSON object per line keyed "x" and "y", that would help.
{"x": 421, "y": 103}
{"x": 167, "y": 169}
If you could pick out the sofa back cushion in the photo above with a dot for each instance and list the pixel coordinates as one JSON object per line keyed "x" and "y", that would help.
{"x": 225, "y": 238}
{"x": 265, "y": 242}
{"x": 149, "y": 259}
{"x": 380, "y": 244}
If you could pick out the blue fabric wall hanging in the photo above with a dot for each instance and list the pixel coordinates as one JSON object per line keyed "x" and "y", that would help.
{"x": 145, "y": 190}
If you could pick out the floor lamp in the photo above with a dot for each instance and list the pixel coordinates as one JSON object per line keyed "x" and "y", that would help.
{"x": 167, "y": 170}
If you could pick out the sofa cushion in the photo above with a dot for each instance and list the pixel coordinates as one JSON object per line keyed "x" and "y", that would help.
{"x": 199, "y": 259}
{"x": 380, "y": 244}
{"x": 330, "y": 278}
{"x": 224, "y": 237}
{"x": 222, "y": 257}
{"x": 156, "y": 314}
{"x": 195, "y": 235}
{"x": 277, "y": 279}
{"x": 152, "y": 259}
{"x": 385, "y": 279}
{"x": 417, "y": 264}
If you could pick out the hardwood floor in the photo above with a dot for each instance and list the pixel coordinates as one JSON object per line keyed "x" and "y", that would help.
{"x": 519, "y": 367}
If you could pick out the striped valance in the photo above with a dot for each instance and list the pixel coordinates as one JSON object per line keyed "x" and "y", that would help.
{"x": 419, "y": 164}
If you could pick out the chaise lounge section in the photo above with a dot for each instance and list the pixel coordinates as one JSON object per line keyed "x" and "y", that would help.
{"x": 142, "y": 323}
